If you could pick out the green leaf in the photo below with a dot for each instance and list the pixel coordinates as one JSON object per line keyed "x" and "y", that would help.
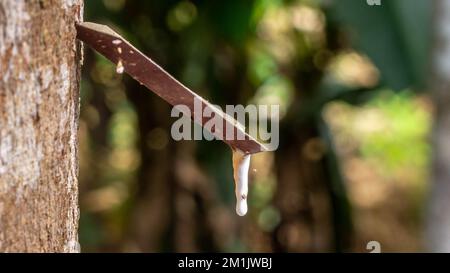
{"x": 394, "y": 35}
{"x": 232, "y": 18}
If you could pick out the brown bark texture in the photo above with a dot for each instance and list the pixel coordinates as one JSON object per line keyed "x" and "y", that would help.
{"x": 39, "y": 108}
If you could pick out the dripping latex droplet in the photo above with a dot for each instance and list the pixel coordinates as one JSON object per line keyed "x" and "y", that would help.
{"x": 241, "y": 165}
{"x": 119, "y": 67}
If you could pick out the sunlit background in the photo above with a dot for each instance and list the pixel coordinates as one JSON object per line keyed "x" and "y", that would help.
{"x": 354, "y": 152}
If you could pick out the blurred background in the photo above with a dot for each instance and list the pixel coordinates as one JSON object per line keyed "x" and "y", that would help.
{"x": 355, "y": 152}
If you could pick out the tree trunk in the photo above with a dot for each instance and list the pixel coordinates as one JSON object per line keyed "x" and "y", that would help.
{"x": 438, "y": 222}
{"x": 39, "y": 107}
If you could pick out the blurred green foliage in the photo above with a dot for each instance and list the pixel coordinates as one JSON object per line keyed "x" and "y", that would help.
{"x": 401, "y": 144}
{"x": 395, "y": 35}
{"x": 141, "y": 191}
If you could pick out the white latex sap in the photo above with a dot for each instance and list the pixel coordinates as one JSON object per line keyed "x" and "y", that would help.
{"x": 241, "y": 165}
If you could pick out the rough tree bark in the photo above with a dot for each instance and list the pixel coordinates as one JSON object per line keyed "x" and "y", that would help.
{"x": 39, "y": 106}
{"x": 438, "y": 222}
